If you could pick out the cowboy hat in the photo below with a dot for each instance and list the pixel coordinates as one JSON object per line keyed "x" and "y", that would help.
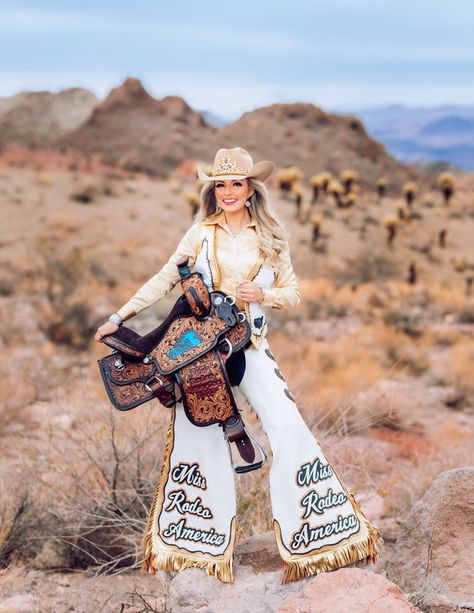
{"x": 236, "y": 163}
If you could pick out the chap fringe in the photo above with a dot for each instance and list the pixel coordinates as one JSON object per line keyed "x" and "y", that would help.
{"x": 368, "y": 549}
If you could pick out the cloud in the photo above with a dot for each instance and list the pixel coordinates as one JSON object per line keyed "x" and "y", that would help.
{"x": 325, "y": 42}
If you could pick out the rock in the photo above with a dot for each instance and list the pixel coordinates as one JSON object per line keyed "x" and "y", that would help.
{"x": 22, "y": 603}
{"x": 256, "y": 589}
{"x": 434, "y": 554}
{"x": 348, "y": 589}
{"x": 52, "y": 555}
{"x": 373, "y": 504}
{"x": 63, "y": 421}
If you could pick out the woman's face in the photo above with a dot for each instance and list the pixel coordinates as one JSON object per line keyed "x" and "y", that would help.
{"x": 231, "y": 195}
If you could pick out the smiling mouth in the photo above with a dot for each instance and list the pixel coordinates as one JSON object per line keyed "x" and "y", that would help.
{"x": 230, "y": 200}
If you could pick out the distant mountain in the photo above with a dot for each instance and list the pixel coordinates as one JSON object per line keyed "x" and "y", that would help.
{"x": 38, "y": 119}
{"x": 136, "y": 131}
{"x": 139, "y": 132}
{"x": 444, "y": 133}
{"x": 304, "y": 135}
{"x": 454, "y": 129}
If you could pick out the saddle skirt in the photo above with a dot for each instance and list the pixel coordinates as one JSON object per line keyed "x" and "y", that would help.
{"x": 184, "y": 350}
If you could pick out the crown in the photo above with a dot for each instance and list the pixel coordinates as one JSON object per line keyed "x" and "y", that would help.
{"x": 227, "y": 166}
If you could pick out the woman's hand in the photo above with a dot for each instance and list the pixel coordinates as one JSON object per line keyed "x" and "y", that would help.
{"x": 249, "y": 292}
{"x": 108, "y": 328}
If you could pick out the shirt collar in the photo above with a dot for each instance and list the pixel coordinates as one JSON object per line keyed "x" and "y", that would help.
{"x": 219, "y": 219}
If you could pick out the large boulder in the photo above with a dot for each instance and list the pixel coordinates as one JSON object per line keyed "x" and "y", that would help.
{"x": 21, "y": 603}
{"x": 434, "y": 554}
{"x": 256, "y": 589}
{"x": 348, "y": 589}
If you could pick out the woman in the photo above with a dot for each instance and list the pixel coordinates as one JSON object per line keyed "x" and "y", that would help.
{"x": 240, "y": 248}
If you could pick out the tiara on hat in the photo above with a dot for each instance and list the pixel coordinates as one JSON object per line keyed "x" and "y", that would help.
{"x": 227, "y": 166}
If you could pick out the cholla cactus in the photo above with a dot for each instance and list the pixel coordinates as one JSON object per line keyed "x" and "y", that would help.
{"x": 193, "y": 200}
{"x": 459, "y": 264}
{"x": 381, "y": 187}
{"x": 446, "y": 184}
{"x": 287, "y": 177}
{"x": 315, "y": 182}
{"x": 401, "y": 212}
{"x": 348, "y": 178}
{"x": 442, "y": 237}
{"x": 336, "y": 190}
{"x": 469, "y": 282}
{"x": 391, "y": 224}
{"x": 349, "y": 199}
{"x": 409, "y": 191}
{"x": 325, "y": 178}
{"x": 320, "y": 183}
{"x": 315, "y": 223}
{"x": 297, "y": 192}
{"x": 412, "y": 274}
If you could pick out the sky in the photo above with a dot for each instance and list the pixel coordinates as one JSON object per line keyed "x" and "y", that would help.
{"x": 231, "y": 56}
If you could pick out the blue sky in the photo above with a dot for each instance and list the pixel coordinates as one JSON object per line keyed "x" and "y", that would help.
{"x": 229, "y": 57}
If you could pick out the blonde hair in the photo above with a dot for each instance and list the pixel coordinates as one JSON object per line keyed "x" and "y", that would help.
{"x": 273, "y": 234}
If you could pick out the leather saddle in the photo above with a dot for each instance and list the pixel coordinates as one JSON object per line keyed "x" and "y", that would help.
{"x": 199, "y": 349}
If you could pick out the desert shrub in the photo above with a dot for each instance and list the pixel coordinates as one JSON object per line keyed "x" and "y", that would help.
{"x": 102, "y": 275}
{"x": 253, "y": 504}
{"x": 466, "y": 315}
{"x": 87, "y": 505}
{"x": 89, "y": 192}
{"x": 7, "y": 287}
{"x": 85, "y": 193}
{"x": 23, "y": 522}
{"x": 406, "y": 320}
{"x": 13, "y": 526}
{"x": 104, "y": 478}
{"x": 319, "y": 309}
{"x": 351, "y": 413}
{"x": 408, "y": 359}
{"x": 74, "y": 327}
{"x": 367, "y": 266}
{"x": 69, "y": 319}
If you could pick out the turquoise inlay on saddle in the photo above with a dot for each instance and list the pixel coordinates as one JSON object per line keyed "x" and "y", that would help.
{"x": 186, "y": 341}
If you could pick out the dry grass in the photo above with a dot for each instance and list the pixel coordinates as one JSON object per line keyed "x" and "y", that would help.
{"x": 104, "y": 495}
{"x": 88, "y": 504}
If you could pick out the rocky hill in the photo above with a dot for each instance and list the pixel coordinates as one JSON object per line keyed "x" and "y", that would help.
{"x": 133, "y": 129}
{"x": 314, "y": 140}
{"x": 139, "y": 132}
{"x": 39, "y": 119}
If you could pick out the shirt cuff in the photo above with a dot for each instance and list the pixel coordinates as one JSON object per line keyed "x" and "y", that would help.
{"x": 269, "y": 297}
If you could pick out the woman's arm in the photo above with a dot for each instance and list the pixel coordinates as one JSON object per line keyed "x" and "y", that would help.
{"x": 164, "y": 280}
{"x": 285, "y": 292}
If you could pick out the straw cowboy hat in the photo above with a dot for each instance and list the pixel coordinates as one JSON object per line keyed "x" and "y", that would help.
{"x": 236, "y": 163}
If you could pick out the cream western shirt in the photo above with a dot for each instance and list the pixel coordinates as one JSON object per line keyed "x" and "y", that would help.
{"x": 235, "y": 257}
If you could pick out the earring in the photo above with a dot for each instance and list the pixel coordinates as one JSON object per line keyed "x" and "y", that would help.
{"x": 248, "y": 203}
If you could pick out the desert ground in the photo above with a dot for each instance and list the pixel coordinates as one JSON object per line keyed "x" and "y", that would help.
{"x": 382, "y": 368}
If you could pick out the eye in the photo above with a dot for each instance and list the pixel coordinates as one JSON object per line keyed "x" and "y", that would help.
{"x": 238, "y": 183}
{"x": 219, "y": 185}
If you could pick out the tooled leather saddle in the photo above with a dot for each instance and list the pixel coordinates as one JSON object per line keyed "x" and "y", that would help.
{"x": 199, "y": 349}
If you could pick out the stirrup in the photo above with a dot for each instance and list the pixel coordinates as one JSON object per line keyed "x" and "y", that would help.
{"x": 239, "y": 435}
